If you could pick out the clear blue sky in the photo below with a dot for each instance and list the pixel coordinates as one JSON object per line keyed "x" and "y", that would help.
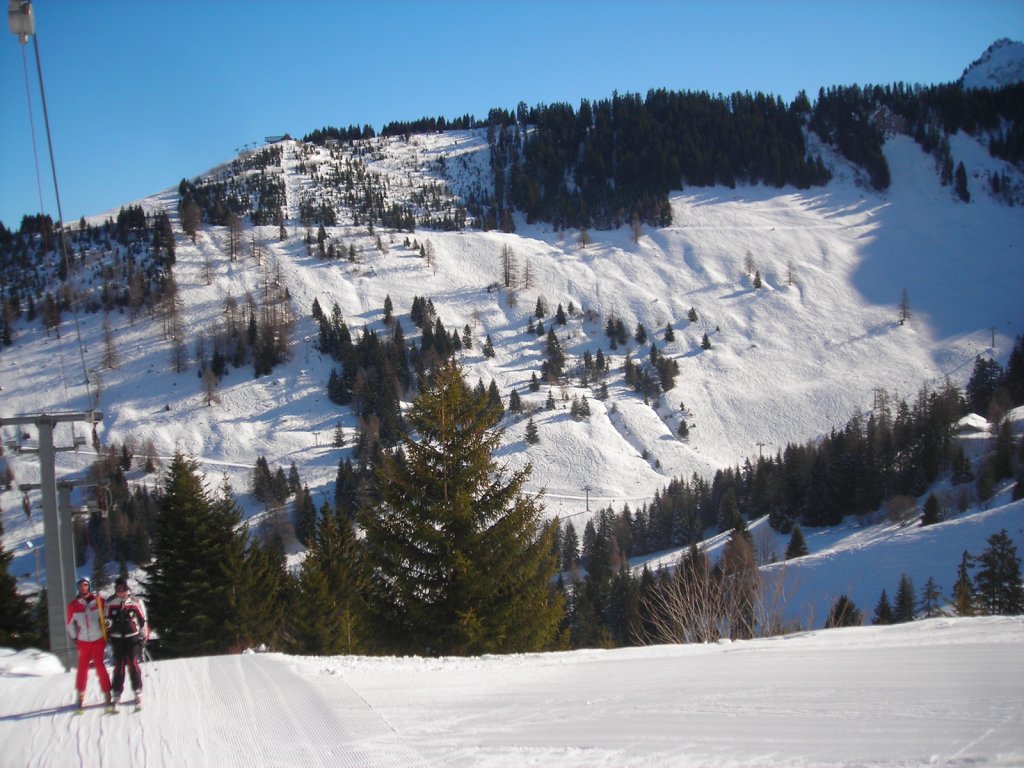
{"x": 142, "y": 93}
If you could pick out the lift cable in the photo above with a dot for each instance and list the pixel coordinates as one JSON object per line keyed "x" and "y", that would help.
{"x": 29, "y": 31}
{"x": 32, "y": 126}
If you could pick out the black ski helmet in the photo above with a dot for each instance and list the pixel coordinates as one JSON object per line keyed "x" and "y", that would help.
{"x": 121, "y": 583}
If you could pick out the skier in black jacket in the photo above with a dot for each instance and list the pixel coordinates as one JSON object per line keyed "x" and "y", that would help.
{"x": 127, "y": 631}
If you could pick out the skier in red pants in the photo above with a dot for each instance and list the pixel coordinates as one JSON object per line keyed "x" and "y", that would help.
{"x": 87, "y": 626}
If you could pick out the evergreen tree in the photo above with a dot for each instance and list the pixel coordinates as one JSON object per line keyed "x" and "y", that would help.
{"x": 883, "y": 610}
{"x": 16, "y": 625}
{"x": 684, "y": 429}
{"x": 931, "y": 598}
{"x": 982, "y": 384}
{"x": 963, "y": 587}
{"x": 931, "y": 510}
{"x": 843, "y": 614}
{"x": 797, "y": 546}
{"x": 257, "y": 599}
{"x": 906, "y": 601}
{"x": 554, "y": 366}
{"x": 962, "y": 472}
{"x": 670, "y": 335}
{"x": 305, "y": 516}
{"x": 997, "y": 583}
{"x": 532, "y": 433}
{"x": 189, "y": 582}
{"x": 458, "y": 560}
{"x": 961, "y": 183}
{"x": 327, "y": 615}
{"x": 705, "y": 342}
{"x": 570, "y": 554}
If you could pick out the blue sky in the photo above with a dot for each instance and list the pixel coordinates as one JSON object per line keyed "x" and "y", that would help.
{"x": 142, "y": 93}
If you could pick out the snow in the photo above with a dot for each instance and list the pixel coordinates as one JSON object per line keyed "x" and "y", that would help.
{"x": 942, "y": 692}
{"x": 789, "y": 362}
{"x": 1002, "y": 64}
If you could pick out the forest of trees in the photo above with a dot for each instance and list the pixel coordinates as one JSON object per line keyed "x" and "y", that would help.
{"x": 436, "y": 515}
{"x": 611, "y": 162}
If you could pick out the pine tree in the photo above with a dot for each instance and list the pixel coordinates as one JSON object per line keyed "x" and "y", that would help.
{"x": 906, "y": 601}
{"x": 931, "y": 510}
{"x": 963, "y": 587}
{"x": 962, "y": 472}
{"x": 997, "y": 583}
{"x": 797, "y": 546}
{"x": 843, "y": 614}
{"x": 257, "y": 599}
{"x": 515, "y": 402}
{"x": 327, "y": 615}
{"x": 570, "y": 554}
{"x": 16, "y": 626}
{"x": 305, "y": 516}
{"x": 931, "y": 598}
{"x": 684, "y": 429}
{"x": 188, "y": 582}
{"x": 961, "y": 183}
{"x": 883, "y": 610}
{"x": 532, "y": 433}
{"x": 458, "y": 560}
{"x": 670, "y": 335}
{"x": 705, "y": 342}
{"x": 904, "y": 307}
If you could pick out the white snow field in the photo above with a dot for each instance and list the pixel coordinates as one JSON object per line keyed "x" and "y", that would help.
{"x": 940, "y": 692}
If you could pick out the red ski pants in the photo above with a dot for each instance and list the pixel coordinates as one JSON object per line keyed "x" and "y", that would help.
{"x": 91, "y": 651}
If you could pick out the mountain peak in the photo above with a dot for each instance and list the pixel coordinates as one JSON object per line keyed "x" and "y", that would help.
{"x": 1000, "y": 65}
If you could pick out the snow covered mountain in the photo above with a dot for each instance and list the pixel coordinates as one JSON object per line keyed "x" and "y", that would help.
{"x": 1000, "y": 65}
{"x": 788, "y": 362}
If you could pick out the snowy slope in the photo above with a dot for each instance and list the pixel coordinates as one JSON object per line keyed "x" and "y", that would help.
{"x": 1002, "y": 64}
{"x": 789, "y": 361}
{"x": 944, "y": 692}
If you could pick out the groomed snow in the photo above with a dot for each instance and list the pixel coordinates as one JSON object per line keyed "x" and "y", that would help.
{"x": 942, "y": 692}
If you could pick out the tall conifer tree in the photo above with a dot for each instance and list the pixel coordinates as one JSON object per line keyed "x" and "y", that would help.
{"x": 459, "y": 563}
{"x": 189, "y": 582}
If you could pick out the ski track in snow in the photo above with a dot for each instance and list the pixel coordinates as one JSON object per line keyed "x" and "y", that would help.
{"x": 240, "y": 710}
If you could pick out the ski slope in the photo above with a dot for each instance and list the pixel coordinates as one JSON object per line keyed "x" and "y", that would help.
{"x": 942, "y": 692}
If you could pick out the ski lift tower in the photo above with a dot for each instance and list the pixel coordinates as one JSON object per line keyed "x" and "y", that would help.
{"x": 57, "y": 527}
